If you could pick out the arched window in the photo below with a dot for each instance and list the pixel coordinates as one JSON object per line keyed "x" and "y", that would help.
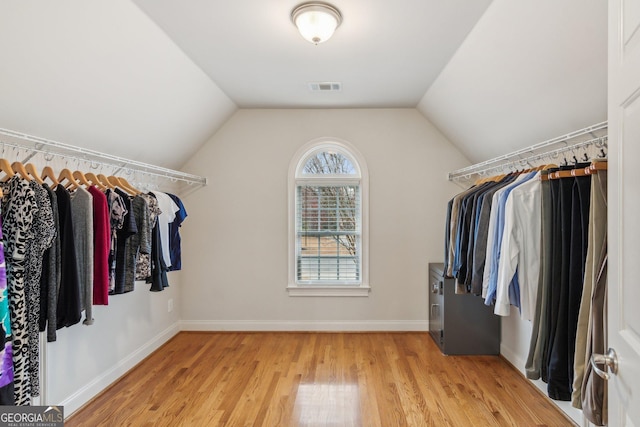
{"x": 328, "y": 221}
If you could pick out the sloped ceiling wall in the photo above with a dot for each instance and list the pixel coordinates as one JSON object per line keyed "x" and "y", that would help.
{"x": 528, "y": 71}
{"x": 102, "y": 75}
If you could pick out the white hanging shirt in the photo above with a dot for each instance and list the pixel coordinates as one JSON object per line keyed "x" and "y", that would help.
{"x": 520, "y": 250}
{"x": 169, "y": 209}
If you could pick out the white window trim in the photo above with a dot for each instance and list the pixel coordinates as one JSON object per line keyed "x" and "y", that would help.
{"x": 294, "y": 289}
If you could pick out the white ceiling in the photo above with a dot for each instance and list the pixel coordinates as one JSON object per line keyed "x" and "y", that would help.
{"x": 152, "y": 80}
{"x": 385, "y": 53}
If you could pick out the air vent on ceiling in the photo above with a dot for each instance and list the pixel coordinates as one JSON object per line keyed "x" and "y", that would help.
{"x": 325, "y": 86}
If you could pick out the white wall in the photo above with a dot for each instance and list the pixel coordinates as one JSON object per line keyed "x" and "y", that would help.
{"x": 514, "y": 346}
{"x": 86, "y": 359}
{"x": 235, "y": 250}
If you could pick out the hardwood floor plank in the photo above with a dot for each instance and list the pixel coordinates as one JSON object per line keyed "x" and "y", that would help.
{"x": 317, "y": 379}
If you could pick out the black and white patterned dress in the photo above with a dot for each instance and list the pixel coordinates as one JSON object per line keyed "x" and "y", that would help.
{"x": 143, "y": 265}
{"x": 117, "y": 212}
{"x": 18, "y": 210}
{"x": 139, "y": 243}
{"x": 43, "y": 228}
{"x": 50, "y": 278}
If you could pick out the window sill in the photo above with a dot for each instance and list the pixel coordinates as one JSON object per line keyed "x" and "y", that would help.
{"x": 328, "y": 291}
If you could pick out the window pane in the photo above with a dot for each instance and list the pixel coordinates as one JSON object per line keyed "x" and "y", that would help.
{"x": 328, "y": 233}
{"x": 328, "y": 258}
{"x": 327, "y": 163}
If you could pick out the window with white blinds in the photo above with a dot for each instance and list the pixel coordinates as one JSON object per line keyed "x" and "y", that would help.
{"x": 328, "y": 247}
{"x": 328, "y": 228}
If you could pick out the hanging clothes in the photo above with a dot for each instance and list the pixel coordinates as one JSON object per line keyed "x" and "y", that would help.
{"x": 50, "y": 277}
{"x": 6, "y": 352}
{"x": 590, "y": 390}
{"x": 138, "y": 243}
{"x": 158, "y": 278}
{"x": 56, "y": 250}
{"x": 117, "y": 212}
{"x": 143, "y": 264}
{"x": 542, "y": 250}
{"x": 168, "y": 215}
{"x": 101, "y": 246}
{"x": 82, "y": 215}
{"x": 566, "y": 292}
{"x": 520, "y": 250}
{"x": 539, "y": 331}
{"x": 594, "y": 388}
{"x": 128, "y": 229}
{"x": 175, "y": 250}
{"x": 18, "y": 208}
{"x": 44, "y": 232}
{"x": 69, "y": 303}
{"x": 494, "y": 239}
{"x": 55, "y": 254}
{"x": 464, "y": 232}
{"x": 482, "y": 230}
{"x": 455, "y": 225}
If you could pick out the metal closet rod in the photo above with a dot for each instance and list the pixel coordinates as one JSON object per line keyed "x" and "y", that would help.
{"x": 55, "y": 148}
{"x": 526, "y": 161}
{"x": 529, "y": 152}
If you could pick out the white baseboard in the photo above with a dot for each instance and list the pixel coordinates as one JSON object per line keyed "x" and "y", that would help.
{"x": 311, "y": 326}
{"x": 513, "y": 358}
{"x": 519, "y": 363}
{"x": 89, "y": 391}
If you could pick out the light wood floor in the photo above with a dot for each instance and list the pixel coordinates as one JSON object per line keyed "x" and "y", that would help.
{"x": 317, "y": 379}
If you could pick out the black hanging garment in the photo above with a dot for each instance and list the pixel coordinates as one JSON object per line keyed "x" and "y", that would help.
{"x": 566, "y": 288}
{"x": 69, "y": 310}
{"x": 128, "y": 229}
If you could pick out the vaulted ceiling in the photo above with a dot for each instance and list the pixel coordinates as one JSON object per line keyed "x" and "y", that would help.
{"x": 154, "y": 79}
{"x": 385, "y": 54}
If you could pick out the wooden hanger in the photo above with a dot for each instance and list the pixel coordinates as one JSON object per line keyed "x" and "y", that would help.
{"x": 545, "y": 171}
{"x": 47, "y": 172}
{"x": 34, "y": 173}
{"x": 93, "y": 179}
{"x": 115, "y": 181}
{"x": 125, "y": 183}
{"x": 592, "y": 169}
{"x": 572, "y": 173}
{"x": 20, "y": 170}
{"x": 599, "y": 165}
{"x": 103, "y": 179}
{"x": 66, "y": 175}
{"x": 5, "y": 167}
{"x": 81, "y": 178}
{"x": 494, "y": 178}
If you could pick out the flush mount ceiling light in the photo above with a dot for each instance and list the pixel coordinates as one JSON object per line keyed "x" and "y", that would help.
{"x": 316, "y": 21}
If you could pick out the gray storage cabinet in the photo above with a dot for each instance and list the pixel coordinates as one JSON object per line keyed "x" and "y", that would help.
{"x": 460, "y": 323}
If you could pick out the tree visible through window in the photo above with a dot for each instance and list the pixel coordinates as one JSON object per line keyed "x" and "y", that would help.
{"x": 328, "y": 220}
